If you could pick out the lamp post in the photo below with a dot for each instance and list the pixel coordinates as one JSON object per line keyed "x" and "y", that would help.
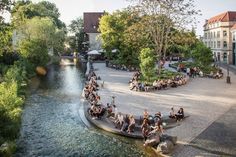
{"x": 228, "y": 77}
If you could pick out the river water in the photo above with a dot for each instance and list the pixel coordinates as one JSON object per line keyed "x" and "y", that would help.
{"x": 52, "y": 125}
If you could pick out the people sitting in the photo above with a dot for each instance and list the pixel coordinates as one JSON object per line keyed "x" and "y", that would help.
{"x": 154, "y": 136}
{"x": 131, "y": 124}
{"x": 157, "y": 117}
{"x": 145, "y": 114}
{"x": 119, "y": 121}
{"x": 172, "y": 113}
{"x": 145, "y": 128}
{"x": 180, "y": 114}
{"x": 125, "y": 124}
{"x": 109, "y": 110}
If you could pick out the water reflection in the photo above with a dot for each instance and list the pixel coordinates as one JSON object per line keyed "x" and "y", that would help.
{"x": 51, "y": 125}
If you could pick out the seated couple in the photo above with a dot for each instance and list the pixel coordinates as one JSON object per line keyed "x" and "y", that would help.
{"x": 125, "y": 124}
{"x": 178, "y": 116}
{"x": 96, "y": 111}
{"x": 151, "y": 134}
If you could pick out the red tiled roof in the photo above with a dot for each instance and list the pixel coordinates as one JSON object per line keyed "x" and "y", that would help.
{"x": 224, "y": 17}
{"x": 91, "y": 21}
{"x": 234, "y": 27}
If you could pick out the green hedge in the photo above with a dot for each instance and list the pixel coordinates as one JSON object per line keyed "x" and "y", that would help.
{"x": 12, "y": 92}
{"x": 165, "y": 74}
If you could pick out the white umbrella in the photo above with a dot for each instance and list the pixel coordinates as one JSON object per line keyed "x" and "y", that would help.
{"x": 114, "y": 51}
{"x": 101, "y": 50}
{"x": 93, "y": 52}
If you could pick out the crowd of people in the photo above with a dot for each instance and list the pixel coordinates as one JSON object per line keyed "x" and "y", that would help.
{"x": 97, "y": 110}
{"x": 197, "y": 72}
{"x": 121, "y": 67}
{"x": 150, "y": 126}
{"x": 136, "y": 84}
{"x": 152, "y": 129}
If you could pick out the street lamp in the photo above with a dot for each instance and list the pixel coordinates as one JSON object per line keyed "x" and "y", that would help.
{"x": 228, "y": 77}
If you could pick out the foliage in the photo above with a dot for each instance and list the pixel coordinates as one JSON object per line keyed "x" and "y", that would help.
{"x": 147, "y": 63}
{"x": 121, "y": 31}
{"x": 34, "y": 51}
{"x": 10, "y": 110}
{"x": 160, "y": 17}
{"x": 11, "y": 101}
{"x": 76, "y": 41}
{"x": 164, "y": 74}
{"x": 26, "y": 10}
{"x": 38, "y": 21}
{"x": 202, "y": 54}
{"x": 182, "y": 43}
{"x": 5, "y": 38}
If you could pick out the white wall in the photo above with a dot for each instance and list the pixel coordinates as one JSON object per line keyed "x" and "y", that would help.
{"x": 94, "y": 42}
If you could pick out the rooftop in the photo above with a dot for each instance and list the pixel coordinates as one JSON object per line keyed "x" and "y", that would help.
{"x": 224, "y": 17}
{"x": 91, "y": 21}
{"x": 234, "y": 27}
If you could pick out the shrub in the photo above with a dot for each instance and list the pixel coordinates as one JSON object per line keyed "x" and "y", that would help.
{"x": 147, "y": 63}
{"x": 10, "y": 110}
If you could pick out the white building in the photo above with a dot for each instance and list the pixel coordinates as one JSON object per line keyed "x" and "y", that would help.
{"x": 91, "y": 23}
{"x": 218, "y": 36}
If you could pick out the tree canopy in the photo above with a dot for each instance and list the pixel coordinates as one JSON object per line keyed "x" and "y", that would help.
{"x": 147, "y": 63}
{"x": 121, "y": 31}
{"x": 37, "y": 23}
{"x": 160, "y": 17}
{"x": 26, "y": 10}
{"x": 76, "y": 41}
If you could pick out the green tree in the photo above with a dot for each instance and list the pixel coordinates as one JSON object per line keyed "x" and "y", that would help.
{"x": 147, "y": 63}
{"x": 26, "y": 10}
{"x": 161, "y": 16}
{"x": 76, "y": 41}
{"x": 202, "y": 54}
{"x": 5, "y": 38}
{"x": 34, "y": 51}
{"x": 182, "y": 42}
{"x": 121, "y": 31}
{"x": 38, "y": 36}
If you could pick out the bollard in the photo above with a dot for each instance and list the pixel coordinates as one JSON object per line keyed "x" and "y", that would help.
{"x": 228, "y": 79}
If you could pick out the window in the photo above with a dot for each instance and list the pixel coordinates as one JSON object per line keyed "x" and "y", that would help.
{"x": 211, "y": 35}
{"x": 225, "y": 44}
{"x": 214, "y": 34}
{"x": 209, "y": 44}
{"x": 205, "y": 35}
{"x": 224, "y": 33}
{"x": 214, "y": 44}
{"x": 218, "y": 44}
{"x": 206, "y": 43}
{"x": 208, "y": 35}
{"x": 218, "y": 34}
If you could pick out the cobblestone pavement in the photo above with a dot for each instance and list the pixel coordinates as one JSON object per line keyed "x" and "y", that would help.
{"x": 205, "y": 100}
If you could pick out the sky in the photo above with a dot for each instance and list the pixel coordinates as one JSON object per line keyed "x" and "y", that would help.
{"x": 71, "y": 9}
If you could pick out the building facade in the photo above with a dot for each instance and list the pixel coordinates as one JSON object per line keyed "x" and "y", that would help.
{"x": 218, "y": 36}
{"x": 233, "y": 31}
{"x": 91, "y": 23}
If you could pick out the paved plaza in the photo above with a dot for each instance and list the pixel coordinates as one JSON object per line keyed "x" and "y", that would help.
{"x": 209, "y": 102}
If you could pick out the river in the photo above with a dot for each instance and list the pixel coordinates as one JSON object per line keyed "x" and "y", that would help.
{"x": 52, "y": 125}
